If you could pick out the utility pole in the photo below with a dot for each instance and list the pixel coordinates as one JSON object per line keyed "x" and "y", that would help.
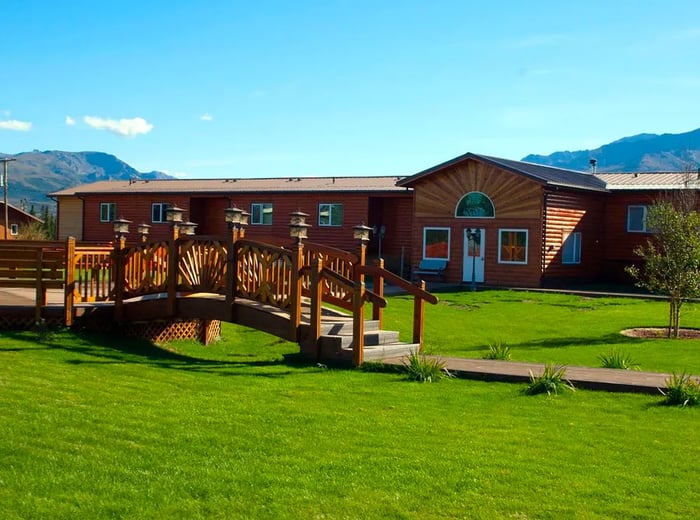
{"x": 5, "y": 160}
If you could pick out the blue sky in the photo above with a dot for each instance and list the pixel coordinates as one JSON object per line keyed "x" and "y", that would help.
{"x": 264, "y": 89}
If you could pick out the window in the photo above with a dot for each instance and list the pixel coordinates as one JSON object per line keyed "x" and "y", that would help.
{"x": 14, "y": 229}
{"x": 512, "y": 246}
{"x": 261, "y": 213}
{"x": 637, "y": 219}
{"x": 571, "y": 249}
{"x": 108, "y": 210}
{"x": 330, "y": 214}
{"x": 158, "y": 212}
{"x": 436, "y": 243}
{"x": 475, "y": 205}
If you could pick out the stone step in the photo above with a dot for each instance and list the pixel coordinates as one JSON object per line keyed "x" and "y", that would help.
{"x": 372, "y": 338}
{"x": 343, "y": 327}
{"x": 387, "y": 350}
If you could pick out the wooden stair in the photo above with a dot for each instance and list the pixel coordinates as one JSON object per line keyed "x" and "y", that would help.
{"x": 336, "y": 342}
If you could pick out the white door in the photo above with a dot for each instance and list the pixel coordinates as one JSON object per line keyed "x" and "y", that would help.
{"x": 474, "y": 248}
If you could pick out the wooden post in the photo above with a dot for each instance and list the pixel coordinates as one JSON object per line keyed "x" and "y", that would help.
{"x": 316, "y": 304}
{"x": 118, "y": 266}
{"x": 358, "y": 324}
{"x": 231, "y": 276}
{"x": 361, "y": 259}
{"x": 173, "y": 263}
{"x": 69, "y": 282}
{"x": 418, "y": 315}
{"x": 40, "y": 299}
{"x": 377, "y": 311}
{"x": 295, "y": 304}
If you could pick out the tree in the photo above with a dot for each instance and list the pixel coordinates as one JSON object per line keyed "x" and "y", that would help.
{"x": 671, "y": 258}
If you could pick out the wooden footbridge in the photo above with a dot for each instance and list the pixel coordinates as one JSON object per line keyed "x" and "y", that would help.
{"x": 288, "y": 291}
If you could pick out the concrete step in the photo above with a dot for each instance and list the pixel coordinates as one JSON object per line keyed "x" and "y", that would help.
{"x": 343, "y": 327}
{"x": 387, "y": 350}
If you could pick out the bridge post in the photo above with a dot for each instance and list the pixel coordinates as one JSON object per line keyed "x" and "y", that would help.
{"x": 173, "y": 263}
{"x": 377, "y": 311}
{"x": 231, "y": 276}
{"x": 358, "y": 324}
{"x": 119, "y": 274}
{"x": 316, "y": 304}
{"x": 69, "y": 282}
{"x": 295, "y": 306}
{"x": 418, "y": 317}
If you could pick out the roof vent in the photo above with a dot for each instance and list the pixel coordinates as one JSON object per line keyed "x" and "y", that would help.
{"x": 593, "y": 163}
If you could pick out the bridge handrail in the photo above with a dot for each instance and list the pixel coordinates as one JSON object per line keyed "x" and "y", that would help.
{"x": 372, "y": 270}
{"x": 331, "y": 251}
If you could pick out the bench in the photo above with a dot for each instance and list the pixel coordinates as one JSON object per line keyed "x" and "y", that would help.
{"x": 36, "y": 267}
{"x": 432, "y": 267}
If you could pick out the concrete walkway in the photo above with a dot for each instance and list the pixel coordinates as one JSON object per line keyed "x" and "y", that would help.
{"x": 581, "y": 377}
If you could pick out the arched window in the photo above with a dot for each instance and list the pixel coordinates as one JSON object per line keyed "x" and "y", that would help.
{"x": 475, "y": 205}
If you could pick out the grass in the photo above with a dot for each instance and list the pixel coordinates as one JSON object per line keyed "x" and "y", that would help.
{"x": 96, "y": 427}
{"x": 419, "y": 367}
{"x": 498, "y": 350}
{"x": 683, "y": 390}
{"x": 619, "y": 360}
{"x": 549, "y": 328}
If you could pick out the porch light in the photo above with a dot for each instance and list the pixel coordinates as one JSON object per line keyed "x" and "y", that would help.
{"x": 245, "y": 217}
{"x": 187, "y": 228}
{"x": 233, "y": 216}
{"x": 174, "y": 214}
{"x": 121, "y": 227}
{"x": 143, "y": 229}
{"x": 361, "y": 233}
{"x": 297, "y": 225}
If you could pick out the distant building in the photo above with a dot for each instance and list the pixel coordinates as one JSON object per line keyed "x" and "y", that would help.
{"x": 16, "y": 218}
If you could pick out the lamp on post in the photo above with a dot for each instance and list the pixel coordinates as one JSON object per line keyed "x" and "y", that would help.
{"x": 298, "y": 228}
{"x": 236, "y": 218}
{"x": 187, "y": 228}
{"x": 121, "y": 228}
{"x": 361, "y": 234}
{"x": 143, "y": 230}
{"x": 174, "y": 215}
{"x": 472, "y": 235}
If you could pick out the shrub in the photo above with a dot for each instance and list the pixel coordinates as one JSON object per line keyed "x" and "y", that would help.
{"x": 617, "y": 359}
{"x": 498, "y": 350}
{"x": 420, "y": 367}
{"x": 551, "y": 381}
{"x": 682, "y": 390}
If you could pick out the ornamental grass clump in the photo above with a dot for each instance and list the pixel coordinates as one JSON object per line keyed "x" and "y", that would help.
{"x": 498, "y": 350}
{"x": 425, "y": 369}
{"x": 617, "y": 359}
{"x": 551, "y": 381}
{"x": 682, "y": 390}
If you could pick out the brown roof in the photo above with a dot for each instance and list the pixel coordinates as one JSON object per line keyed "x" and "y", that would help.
{"x": 650, "y": 180}
{"x": 270, "y": 185}
{"x": 549, "y": 175}
{"x": 20, "y": 211}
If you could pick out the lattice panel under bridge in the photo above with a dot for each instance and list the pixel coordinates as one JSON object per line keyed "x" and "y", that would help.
{"x": 204, "y": 331}
{"x": 25, "y": 320}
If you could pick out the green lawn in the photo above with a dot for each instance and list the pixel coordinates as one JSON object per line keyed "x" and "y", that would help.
{"x": 545, "y": 327}
{"x": 97, "y": 427}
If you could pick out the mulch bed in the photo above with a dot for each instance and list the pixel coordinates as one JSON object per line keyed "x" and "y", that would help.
{"x": 660, "y": 333}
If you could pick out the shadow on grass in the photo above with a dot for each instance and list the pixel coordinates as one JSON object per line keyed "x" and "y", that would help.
{"x": 612, "y": 339}
{"x": 115, "y": 349}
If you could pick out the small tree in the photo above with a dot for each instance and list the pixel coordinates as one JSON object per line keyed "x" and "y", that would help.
{"x": 671, "y": 258}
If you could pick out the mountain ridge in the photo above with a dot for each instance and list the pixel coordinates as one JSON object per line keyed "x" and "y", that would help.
{"x": 32, "y": 175}
{"x": 637, "y": 153}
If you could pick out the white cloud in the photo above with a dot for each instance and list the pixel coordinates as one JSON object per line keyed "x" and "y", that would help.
{"x": 125, "y": 127}
{"x": 17, "y": 126}
{"x": 207, "y": 117}
{"x": 70, "y": 121}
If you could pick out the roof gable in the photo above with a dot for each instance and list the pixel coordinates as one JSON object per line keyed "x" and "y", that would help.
{"x": 546, "y": 175}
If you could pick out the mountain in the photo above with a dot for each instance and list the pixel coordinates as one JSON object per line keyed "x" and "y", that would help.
{"x": 638, "y": 153}
{"x": 32, "y": 175}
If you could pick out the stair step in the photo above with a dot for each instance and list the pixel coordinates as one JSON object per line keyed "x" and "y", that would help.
{"x": 344, "y": 327}
{"x": 389, "y": 350}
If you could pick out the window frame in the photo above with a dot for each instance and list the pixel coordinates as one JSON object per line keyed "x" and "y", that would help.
{"x": 262, "y": 206}
{"x": 163, "y": 208}
{"x": 449, "y": 242}
{"x": 330, "y": 214}
{"x": 575, "y": 248}
{"x": 500, "y": 245}
{"x": 493, "y": 206}
{"x": 14, "y": 229}
{"x": 645, "y": 213}
{"x": 111, "y": 211}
